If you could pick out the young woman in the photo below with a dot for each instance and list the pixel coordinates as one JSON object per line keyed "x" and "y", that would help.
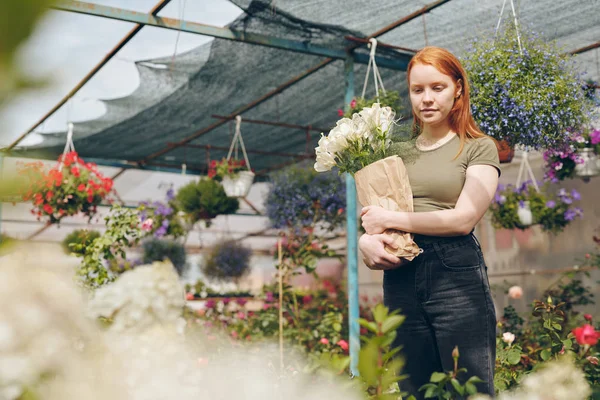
{"x": 444, "y": 292}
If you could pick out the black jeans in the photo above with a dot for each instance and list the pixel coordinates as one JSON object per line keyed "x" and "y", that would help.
{"x": 445, "y": 295}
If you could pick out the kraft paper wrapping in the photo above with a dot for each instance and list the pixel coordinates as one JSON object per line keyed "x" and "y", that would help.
{"x": 385, "y": 184}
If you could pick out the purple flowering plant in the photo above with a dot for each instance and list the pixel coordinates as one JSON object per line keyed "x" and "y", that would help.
{"x": 586, "y": 138}
{"x": 529, "y": 98}
{"x": 160, "y": 219}
{"x": 561, "y": 162}
{"x": 305, "y": 204}
{"x": 301, "y": 198}
{"x": 553, "y": 211}
{"x": 227, "y": 261}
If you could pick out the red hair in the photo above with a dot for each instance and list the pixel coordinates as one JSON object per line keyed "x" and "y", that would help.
{"x": 460, "y": 117}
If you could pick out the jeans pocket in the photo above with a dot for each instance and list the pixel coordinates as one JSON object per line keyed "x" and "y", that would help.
{"x": 459, "y": 258}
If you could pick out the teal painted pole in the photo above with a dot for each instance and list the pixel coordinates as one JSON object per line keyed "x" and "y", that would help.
{"x": 352, "y": 238}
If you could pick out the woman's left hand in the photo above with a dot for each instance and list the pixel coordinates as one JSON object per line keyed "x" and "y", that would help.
{"x": 375, "y": 219}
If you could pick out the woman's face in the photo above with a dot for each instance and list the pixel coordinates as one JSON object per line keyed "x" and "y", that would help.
{"x": 432, "y": 94}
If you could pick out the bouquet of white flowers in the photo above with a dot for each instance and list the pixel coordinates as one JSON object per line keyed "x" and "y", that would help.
{"x": 358, "y": 146}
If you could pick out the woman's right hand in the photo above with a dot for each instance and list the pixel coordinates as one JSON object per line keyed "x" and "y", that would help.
{"x": 374, "y": 254}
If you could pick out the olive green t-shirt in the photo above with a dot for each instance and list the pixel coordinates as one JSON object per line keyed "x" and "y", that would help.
{"x": 436, "y": 178}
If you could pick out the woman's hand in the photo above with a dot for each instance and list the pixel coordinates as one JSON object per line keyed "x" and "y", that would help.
{"x": 375, "y": 219}
{"x": 374, "y": 254}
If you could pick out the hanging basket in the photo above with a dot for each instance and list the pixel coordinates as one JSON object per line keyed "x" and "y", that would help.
{"x": 589, "y": 165}
{"x": 506, "y": 152}
{"x": 525, "y": 215}
{"x": 238, "y": 186}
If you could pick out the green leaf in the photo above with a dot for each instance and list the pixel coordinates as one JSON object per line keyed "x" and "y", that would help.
{"x": 568, "y": 344}
{"x": 456, "y": 385}
{"x": 380, "y": 312}
{"x": 514, "y": 356}
{"x": 475, "y": 379}
{"x": 430, "y": 392}
{"x": 367, "y": 364}
{"x": 437, "y": 377}
{"x": 391, "y": 353}
{"x": 471, "y": 388}
{"x": 392, "y": 323}
{"x": 369, "y": 325}
{"x": 545, "y": 354}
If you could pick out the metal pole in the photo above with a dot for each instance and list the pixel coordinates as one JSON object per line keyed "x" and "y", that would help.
{"x": 352, "y": 239}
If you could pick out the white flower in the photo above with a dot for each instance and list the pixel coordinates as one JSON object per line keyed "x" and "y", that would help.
{"x": 338, "y": 139}
{"x": 508, "y": 337}
{"x": 558, "y": 166}
{"x": 360, "y": 128}
{"x": 325, "y": 161}
{"x": 141, "y": 298}
{"x": 558, "y": 380}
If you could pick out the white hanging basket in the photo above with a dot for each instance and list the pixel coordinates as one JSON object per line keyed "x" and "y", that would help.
{"x": 525, "y": 214}
{"x": 238, "y": 186}
{"x": 590, "y": 165}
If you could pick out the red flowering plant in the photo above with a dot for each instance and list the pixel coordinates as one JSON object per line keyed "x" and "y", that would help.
{"x": 219, "y": 169}
{"x": 71, "y": 187}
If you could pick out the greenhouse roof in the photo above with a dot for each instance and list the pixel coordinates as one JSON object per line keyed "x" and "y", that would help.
{"x": 282, "y": 62}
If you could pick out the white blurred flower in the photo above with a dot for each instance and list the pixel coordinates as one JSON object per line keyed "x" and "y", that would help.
{"x": 557, "y": 380}
{"x": 508, "y": 337}
{"x": 141, "y": 298}
{"x": 44, "y": 332}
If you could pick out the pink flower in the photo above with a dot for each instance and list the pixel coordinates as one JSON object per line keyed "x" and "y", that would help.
{"x": 343, "y": 344}
{"x": 595, "y": 136}
{"x": 307, "y": 299}
{"x": 587, "y": 317}
{"x": 147, "y": 225}
{"x": 340, "y": 112}
{"x": 515, "y": 292}
{"x": 189, "y": 296}
{"x": 592, "y": 360}
{"x": 210, "y": 304}
{"x": 241, "y": 302}
{"x": 586, "y": 334}
{"x": 241, "y": 315}
{"x": 353, "y": 103}
{"x": 324, "y": 341}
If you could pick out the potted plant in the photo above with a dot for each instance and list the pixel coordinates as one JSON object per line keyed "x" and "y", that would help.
{"x": 526, "y": 94}
{"x": 520, "y": 207}
{"x": 233, "y": 174}
{"x": 204, "y": 200}
{"x": 587, "y": 144}
{"x": 303, "y": 198}
{"x": 162, "y": 219}
{"x": 71, "y": 187}
{"x": 560, "y": 163}
{"x": 390, "y": 98}
{"x": 160, "y": 249}
{"x": 77, "y": 241}
{"x": 227, "y": 261}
